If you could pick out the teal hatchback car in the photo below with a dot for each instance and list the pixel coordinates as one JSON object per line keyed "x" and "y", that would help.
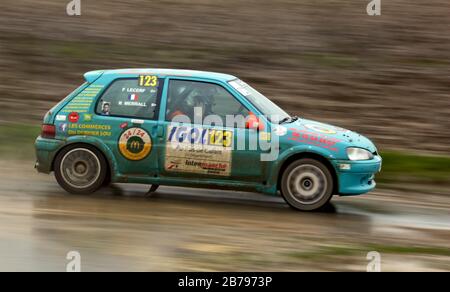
{"x": 197, "y": 129}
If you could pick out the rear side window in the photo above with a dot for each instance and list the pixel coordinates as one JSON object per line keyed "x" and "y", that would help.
{"x": 131, "y": 98}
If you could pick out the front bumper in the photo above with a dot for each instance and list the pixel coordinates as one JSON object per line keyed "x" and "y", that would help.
{"x": 357, "y": 177}
{"x": 46, "y": 150}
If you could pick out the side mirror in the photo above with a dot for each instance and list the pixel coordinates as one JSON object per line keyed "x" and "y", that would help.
{"x": 254, "y": 123}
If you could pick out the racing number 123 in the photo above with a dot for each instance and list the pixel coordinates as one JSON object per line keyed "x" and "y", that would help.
{"x": 148, "y": 81}
{"x": 223, "y": 138}
{"x": 201, "y": 136}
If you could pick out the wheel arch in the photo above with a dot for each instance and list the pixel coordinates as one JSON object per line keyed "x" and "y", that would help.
{"x": 100, "y": 148}
{"x": 311, "y": 155}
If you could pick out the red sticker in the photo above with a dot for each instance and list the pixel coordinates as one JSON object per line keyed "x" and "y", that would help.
{"x": 123, "y": 125}
{"x": 74, "y": 117}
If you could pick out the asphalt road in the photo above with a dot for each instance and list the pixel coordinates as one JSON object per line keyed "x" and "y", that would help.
{"x": 178, "y": 229}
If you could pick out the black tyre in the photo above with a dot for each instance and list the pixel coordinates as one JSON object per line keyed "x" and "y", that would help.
{"x": 307, "y": 184}
{"x": 80, "y": 169}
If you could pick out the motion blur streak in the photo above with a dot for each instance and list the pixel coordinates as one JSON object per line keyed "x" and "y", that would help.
{"x": 385, "y": 76}
{"x": 190, "y": 230}
{"x": 324, "y": 60}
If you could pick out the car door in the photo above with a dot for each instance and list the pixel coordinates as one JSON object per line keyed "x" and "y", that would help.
{"x": 127, "y": 112}
{"x": 201, "y": 139}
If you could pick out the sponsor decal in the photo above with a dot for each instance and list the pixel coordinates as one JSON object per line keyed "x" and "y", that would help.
{"x": 74, "y": 117}
{"x": 135, "y": 144}
{"x": 139, "y": 122}
{"x": 133, "y": 103}
{"x": 315, "y": 139}
{"x": 87, "y": 117}
{"x": 212, "y": 167}
{"x": 264, "y": 136}
{"x": 63, "y": 127}
{"x": 339, "y": 129}
{"x": 173, "y": 164}
{"x": 320, "y": 129}
{"x": 89, "y": 130}
{"x": 240, "y": 86}
{"x": 133, "y": 90}
{"x": 83, "y": 101}
{"x": 201, "y": 136}
{"x": 124, "y": 125}
{"x": 61, "y": 118}
{"x": 198, "y": 150}
{"x": 280, "y": 131}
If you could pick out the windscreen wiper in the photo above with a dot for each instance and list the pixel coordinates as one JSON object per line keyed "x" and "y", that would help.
{"x": 284, "y": 120}
{"x": 288, "y": 120}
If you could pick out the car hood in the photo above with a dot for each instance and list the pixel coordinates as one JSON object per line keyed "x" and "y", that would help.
{"x": 342, "y": 138}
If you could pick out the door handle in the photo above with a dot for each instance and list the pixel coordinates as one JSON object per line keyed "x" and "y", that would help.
{"x": 159, "y": 131}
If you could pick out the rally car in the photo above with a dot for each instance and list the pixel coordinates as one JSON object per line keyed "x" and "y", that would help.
{"x": 198, "y": 129}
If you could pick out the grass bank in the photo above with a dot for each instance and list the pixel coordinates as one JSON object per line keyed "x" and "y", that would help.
{"x": 17, "y": 142}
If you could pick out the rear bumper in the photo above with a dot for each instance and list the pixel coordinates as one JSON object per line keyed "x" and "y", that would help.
{"x": 357, "y": 177}
{"x": 46, "y": 150}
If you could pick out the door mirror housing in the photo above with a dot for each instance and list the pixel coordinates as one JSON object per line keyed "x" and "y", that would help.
{"x": 254, "y": 123}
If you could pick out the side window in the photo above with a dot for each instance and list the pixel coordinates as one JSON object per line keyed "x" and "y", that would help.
{"x": 130, "y": 98}
{"x": 208, "y": 98}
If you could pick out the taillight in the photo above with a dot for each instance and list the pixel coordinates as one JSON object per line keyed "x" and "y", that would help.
{"x": 48, "y": 131}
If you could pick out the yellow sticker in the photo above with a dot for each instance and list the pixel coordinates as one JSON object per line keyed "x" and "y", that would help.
{"x": 220, "y": 138}
{"x": 148, "y": 80}
{"x": 264, "y": 136}
{"x": 320, "y": 129}
{"x": 135, "y": 144}
{"x": 198, "y": 150}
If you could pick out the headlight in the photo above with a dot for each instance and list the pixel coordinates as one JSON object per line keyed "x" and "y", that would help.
{"x": 359, "y": 154}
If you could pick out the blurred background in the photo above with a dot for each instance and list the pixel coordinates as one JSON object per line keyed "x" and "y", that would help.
{"x": 386, "y": 77}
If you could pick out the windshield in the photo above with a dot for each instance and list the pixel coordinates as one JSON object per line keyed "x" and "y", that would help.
{"x": 273, "y": 112}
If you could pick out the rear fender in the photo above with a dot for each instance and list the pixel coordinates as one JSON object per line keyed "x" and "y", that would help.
{"x": 100, "y": 145}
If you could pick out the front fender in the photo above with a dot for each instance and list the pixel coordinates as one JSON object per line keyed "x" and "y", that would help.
{"x": 276, "y": 166}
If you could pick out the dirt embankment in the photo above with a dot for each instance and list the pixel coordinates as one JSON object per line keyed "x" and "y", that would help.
{"x": 386, "y": 77}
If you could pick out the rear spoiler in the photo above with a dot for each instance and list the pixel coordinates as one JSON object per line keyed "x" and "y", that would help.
{"x": 91, "y": 76}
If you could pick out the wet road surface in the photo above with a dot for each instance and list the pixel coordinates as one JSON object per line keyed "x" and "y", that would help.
{"x": 181, "y": 229}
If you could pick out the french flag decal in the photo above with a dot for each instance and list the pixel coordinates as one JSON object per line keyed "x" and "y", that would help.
{"x": 133, "y": 97}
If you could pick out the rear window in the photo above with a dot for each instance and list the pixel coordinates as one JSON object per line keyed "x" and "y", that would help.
{"x": 131, "y": 98}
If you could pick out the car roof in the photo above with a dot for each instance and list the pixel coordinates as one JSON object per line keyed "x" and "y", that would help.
{"x": 161, "y": 72}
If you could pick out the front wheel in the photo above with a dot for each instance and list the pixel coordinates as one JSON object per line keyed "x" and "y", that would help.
{"x": 307, "y": 184}
{"x": 80, "y": 169}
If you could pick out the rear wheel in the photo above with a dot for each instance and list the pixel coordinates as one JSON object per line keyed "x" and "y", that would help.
{"x": 307, "y": 185}
{"x": 80, "y": 169}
